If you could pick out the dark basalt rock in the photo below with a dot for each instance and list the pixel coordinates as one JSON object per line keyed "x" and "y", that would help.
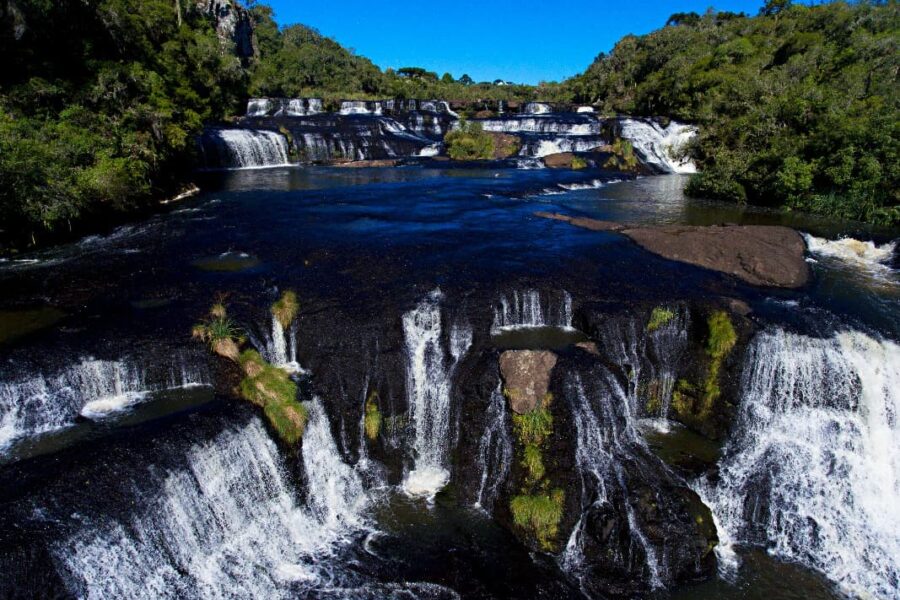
{"x": 771, "y": 256}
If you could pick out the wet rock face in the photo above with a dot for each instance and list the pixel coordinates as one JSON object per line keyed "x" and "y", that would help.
{"x": 526, "y": 377}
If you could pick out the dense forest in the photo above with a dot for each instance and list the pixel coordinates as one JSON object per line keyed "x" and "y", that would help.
{"x": 100, "y": 100}
{"x": 797, "y": 107}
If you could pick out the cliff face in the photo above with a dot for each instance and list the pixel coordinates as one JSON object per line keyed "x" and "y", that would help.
{"x": 233, "y": 23}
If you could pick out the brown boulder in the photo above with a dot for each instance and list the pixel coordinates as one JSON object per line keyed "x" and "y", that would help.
{"x": 505, "y": 144}
{"x": 359, "y": 164}
{"x": 758, "y": 254}
{"x": 526, "y": 377}
{"x": 560, "y": 160}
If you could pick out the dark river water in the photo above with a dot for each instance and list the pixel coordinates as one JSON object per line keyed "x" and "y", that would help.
{"x": 123, "y": 473}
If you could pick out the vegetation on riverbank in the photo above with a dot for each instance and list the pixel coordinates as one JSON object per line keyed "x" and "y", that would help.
{"x": 797, "y": 107}
{"x": 469, "y": 142}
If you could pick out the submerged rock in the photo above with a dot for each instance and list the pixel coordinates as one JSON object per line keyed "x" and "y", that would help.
{"x": 762, "y": 255}
{"x": 526, "y": 375}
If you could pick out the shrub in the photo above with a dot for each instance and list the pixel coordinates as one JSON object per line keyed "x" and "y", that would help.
{"x": 469, "y": 142}
{"x": 579, "y": 163}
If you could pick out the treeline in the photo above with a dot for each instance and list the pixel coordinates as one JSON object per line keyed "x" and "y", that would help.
{"x": 797, "y": 107}
{"x": 297, "y": 61}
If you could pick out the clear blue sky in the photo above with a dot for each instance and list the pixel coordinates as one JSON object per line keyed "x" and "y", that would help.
{"x": 522, "y": 41}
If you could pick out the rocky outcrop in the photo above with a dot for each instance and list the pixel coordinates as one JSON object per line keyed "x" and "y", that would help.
{"x": 233, "y": 24}
{"x": 771, "y": 256}
{"x": 526, "y": 377}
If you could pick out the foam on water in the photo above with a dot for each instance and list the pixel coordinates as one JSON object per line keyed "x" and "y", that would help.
{"x": 864, "y": 255}
{"x": 225, "y": 525}
{"x": 813, "y": 468}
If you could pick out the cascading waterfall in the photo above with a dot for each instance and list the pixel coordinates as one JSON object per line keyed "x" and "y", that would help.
{"x": 661, "y": 147}
{"x": 92, "y": 388}
{"x": 605, "y": 433}
{"x": 536, "y": 108}
{"x": 812, "y": 470}
{"x": 543, "y": 124}
{"x": 495, "y": 451}
{"x": 428, "y": 382}
{"x": 281, "y": 347}
{"x": 225, "y": 524}
{"x": 524, "y": 309}
{"x": 244, "y": 148}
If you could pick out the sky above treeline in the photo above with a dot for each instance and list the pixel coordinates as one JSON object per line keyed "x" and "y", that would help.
{"x": 523, "y": 41}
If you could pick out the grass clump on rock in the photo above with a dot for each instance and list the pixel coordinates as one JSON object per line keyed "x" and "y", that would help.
{"x": 539, "y": 514}
{"x": 286, "y": 308}
{"x": 373, "y": 418}
{"x": 659, "y": 317}
{"x": 535, "y": 426}
{"x": 264, "y": 384}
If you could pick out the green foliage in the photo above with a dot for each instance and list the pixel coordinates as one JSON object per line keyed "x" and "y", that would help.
{"x": 659, "y": 317}
{"x": 106, "y": 125}
{"x": 533, "y": 461}
{"x": 535, "y": 426}
{"x": 722, "y": 336}
{"x": 797, "y": 108}
{"x": 539, "y": 516}
{"x": 469, "y": 142}
{"x": 372, "y": 419}
{"x": 272, "y": 388}
{"x": 285, "y": 309}
{"x": 579, "y": 163}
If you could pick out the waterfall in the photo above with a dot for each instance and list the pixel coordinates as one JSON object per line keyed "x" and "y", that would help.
{"x": 661, "y": 147}
{"x": 495, "y": 451}
{"x": 536, "y": 108}
{"x": 223, "y": 524}
{"x": 302, "y": 107}
{"x": 360, "y": 107}
{"x": 812, "y": 470}
{"x": 524, "y": 309}
{"x": 543, "y": 124}
{"x": 428, "y": 382}
{"x": 259, "y": 107}
{"x": 280, "y": 348}
{"x": 93, "y": 388}
{"x": 244, "y": 148}
{"x": 540, "y": 147}
{"x": 605, "y": 435}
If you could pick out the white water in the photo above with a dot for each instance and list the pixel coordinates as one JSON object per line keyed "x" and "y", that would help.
{"x": 604, "y": 428}
{"x": 258, "y": 107}
{"x": 281, "y": 347}
{"x": 250, "y": 148}
{"x": 525, "y": 309}
{"x": 495, "y": 451}
{"x": 225, "y": 525}
{"x": 360, "y": 107}
{"x": 536, "y": 108}
{"x": 302, "y": 107}
{"x": 543, "y": 124}
{"x": 92, "y": 388}
{"x": 546, "y": 147}
{"x": 865, "y": 256}
{"x": 813, "y": 468}
{"x": 659, "y": 146}
{"x": 428, "y": 381}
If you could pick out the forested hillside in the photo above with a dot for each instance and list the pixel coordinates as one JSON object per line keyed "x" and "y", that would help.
{"x": 798, "y": 107}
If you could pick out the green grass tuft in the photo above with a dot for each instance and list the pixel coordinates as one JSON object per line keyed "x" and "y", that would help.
{"x": 533, "y": 461}
{"x": 579, "y": 163}
{"x": 539, "y": 516}
{"x": 373, "y": 417}
{"x": 535, "y": 426}
{"x": 286, "y": 308}
{"x": 722, "y": 336}
{"x": 659, "y": 317}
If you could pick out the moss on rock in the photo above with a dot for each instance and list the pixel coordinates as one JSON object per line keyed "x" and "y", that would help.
{"x": 286, "y": 308}
{"x": 373, "y": 418}
{"x": 659, "y": 317}
{"x": 539, "y": 515}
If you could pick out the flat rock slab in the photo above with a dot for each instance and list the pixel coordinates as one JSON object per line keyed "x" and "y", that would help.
{"x": 526, "y": 377}
{"x": 762, "y": 255}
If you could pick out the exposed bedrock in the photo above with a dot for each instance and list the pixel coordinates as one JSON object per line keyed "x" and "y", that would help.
{"x": 761, "y": 255}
